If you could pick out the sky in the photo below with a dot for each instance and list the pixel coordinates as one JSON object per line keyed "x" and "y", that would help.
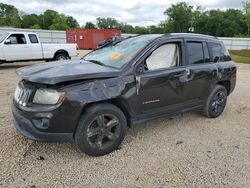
{"x": 134, "y": 12}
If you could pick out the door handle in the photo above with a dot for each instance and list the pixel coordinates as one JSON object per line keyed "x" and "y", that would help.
{"x": 179, "y": 74}
{"x": 188, "y": 72}
{"x": 26, "y": 47}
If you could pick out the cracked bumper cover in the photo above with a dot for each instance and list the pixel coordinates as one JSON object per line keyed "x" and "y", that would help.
{"x": 27, "y": 128}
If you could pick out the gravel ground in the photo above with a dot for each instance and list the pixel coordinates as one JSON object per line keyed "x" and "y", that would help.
{"x": 187, "y": 150}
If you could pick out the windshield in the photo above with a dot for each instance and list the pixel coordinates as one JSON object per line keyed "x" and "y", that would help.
{"x": 3, "y": 36}
{"x": 118, "y": 55}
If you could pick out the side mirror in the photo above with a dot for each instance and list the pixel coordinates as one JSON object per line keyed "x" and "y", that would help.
{"x": 216, "y": 59}
{"x": 7, "y": 41}
{"x": 140, "y": 69}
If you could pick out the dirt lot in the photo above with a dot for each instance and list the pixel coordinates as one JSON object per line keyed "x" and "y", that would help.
{"x": 187, "y": 150}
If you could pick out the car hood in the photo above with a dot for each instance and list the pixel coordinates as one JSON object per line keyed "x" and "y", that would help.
{"x": 61, "y": 71}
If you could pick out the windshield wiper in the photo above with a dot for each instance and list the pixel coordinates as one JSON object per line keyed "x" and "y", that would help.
{"x": 96, "y": 62}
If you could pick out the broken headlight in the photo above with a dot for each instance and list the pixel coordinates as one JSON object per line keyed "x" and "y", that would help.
{"x": 48, "y": 96}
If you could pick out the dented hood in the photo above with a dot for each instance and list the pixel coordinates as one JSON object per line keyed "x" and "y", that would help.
{"x": 61, "y": 71}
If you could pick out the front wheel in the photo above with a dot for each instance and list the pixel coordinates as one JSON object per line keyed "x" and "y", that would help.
{"x": 216, "y": 102}
{"x": 101, "y": 129}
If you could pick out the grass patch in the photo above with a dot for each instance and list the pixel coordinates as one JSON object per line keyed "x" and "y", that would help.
{"x": 240, "y": 56}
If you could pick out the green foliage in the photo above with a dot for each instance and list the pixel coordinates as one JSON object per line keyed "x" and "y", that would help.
{"x": 107, "y": 23}
{"x": 246, "y": 10}
{"x": 72, "y": 22}
{"x": 9, "y": 16}
{"x": 59, "y": 22}
{"x": 30, "y": 20}
{"x": 126, "y": 28}
{"x": 35, "y": 26}
{"x": 179, "y": 16}
{"x": 50, "y": 19}
{"x": 228, "y": 23}
{"x": 90, "y": 25}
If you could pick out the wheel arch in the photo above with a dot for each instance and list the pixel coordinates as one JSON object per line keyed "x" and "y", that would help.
{"x": 61, "y": 51}
{"x": 121, "y": 104}
{"x": 226, "y": 84}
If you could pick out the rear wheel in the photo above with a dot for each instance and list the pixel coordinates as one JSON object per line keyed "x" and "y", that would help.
{"x": 101, "y": 129}
{"x": 61, "y": 56}
{"x": 216, "y": 102}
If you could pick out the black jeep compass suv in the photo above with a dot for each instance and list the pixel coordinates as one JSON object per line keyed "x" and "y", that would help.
{"x": 94, "y": 100}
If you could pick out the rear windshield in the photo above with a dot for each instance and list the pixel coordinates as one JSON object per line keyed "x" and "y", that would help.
{"x": 118, "y": 55}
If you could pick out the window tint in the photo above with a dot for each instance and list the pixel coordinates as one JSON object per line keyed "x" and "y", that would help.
{"x": 206, "y": 53}
{"x": 17, "y": 39}
{"x": 33, "y": 38}
{"x": 195, "y": 52}
{"x": 215, "y": 51}
{"x": 165, "y": 56}
{"x": 219, "y": 52}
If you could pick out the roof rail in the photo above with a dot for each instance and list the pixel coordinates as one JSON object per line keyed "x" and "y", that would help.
{"x": 190, "y": 34}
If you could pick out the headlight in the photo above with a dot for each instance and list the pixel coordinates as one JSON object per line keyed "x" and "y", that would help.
{"x": 48, "y": 96}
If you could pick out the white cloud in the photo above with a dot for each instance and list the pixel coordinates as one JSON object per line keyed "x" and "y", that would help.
{"x": 135, "y": 12}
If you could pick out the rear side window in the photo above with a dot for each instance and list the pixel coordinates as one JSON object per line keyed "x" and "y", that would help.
{"x": 33, "y": 38}
{"x": 195, "y": 52}
{"x": 218, "y": 52}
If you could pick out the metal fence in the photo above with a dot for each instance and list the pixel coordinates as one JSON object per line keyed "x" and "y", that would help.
{"x": 230, "y": 42}
{"x": 44, "y": 35}
{"x": 236, "y": 43}
{"x": 60, "y": 37}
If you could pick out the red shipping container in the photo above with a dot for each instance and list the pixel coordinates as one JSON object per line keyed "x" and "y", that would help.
{"x": 90, "y": 38}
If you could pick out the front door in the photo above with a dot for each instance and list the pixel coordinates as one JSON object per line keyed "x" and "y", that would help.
{"x": 160, "y": 84}
{"x": 16, "y": 48}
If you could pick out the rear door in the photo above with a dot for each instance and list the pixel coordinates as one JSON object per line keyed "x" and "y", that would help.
{"x": 201, "y": 71}
{"x": 16, "y": 47}
{"x": 36, "y": 47}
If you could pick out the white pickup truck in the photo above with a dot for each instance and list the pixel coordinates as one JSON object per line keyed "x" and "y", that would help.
{"x": 25, "y": 46}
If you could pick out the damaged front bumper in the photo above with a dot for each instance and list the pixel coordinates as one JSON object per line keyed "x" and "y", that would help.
{"x": 51, "y": 126}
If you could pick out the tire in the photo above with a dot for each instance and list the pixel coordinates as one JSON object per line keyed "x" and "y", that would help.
{"x": 216, "y": 102}
{"x": 60, "y": 57}
{"x": 101, "y": 129}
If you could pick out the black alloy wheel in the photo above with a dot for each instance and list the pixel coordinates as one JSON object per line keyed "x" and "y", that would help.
{"x": 216, "y": 102}
{"x": 101, "y": 129}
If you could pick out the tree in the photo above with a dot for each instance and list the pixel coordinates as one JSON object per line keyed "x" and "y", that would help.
{"x": 30, "y": 20}
{"x": 246, "y": 10}
{"x": 156, "y": 29}
{"x": 72, "y": 22}
{"x": 141, "y": 30}
{"x": 47, "y": 18}
{"x": 36, "y": 26}
{"x": 233, "y": 23}
{"x": 9, "y": 16}
{"x": 59, "y": 23}
{"x": 179, "y": 16}
{"x": 126, "y": 28}
{"x": 90, "y": 25}
{"x": 107, "y": 23}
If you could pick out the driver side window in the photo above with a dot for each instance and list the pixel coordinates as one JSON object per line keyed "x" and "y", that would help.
{"x": 17, "y": 39}
{"x": 165, "y": 56}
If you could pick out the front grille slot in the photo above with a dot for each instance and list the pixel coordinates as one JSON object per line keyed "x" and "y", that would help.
{"x": 22, "y": 95}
